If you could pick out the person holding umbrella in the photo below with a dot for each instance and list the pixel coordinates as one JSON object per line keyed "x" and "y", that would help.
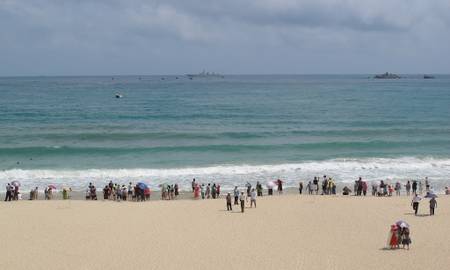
{"x": 415, "y": 203}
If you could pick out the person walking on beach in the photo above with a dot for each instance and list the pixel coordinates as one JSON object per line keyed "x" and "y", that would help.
{"x": 433, "y": 204}
{"x": 236, "y": 195}
{"x": 300, "y": 187}
{"x": 193, "y": 185}
{"x": 242, "y": 199}
{"x": 415, "y": 203}
{"x": 253, "y": 198}
{"x": 228, "y": 199}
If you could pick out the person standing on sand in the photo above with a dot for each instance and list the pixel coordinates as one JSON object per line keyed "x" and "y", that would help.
{"x": 404, "y": 236}
{"x": 8, "y": 196}
{"x": 259, "y": 189}
{"x": 253, "y": 198}
{"x": 408, "y": 188}
{"x": 208, "y": 191}
{"x": 414, "y": 187}
{"x": 309, "y": 188}
{"x": 300, "y": 188}
{"x": 415, "y": 203}
{"x": 228, "y": 199}
{"x": 280, "y": 186}
{"x": 394, "y": 237}
{"x": 242, "y": 199}
{"x": 397, "y": 188}
{"x": 364, "y": 188}
{"x": 374, "y": 189}
{"x": 202, "y": 191}
{"x": 236, "y": 195}
{"x": 130, "y": 191}
{"x": 193, "y": 185}
{"x": 315, "y": 185}
{"x": 433, "y": 204}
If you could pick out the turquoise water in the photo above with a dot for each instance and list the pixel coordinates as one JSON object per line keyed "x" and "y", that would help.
{"x": 73, "y": 129}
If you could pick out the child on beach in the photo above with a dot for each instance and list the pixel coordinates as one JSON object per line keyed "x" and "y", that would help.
{"x": 433, "y": 204}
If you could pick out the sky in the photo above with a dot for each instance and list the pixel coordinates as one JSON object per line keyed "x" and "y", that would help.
{"x": 114, "y": 37}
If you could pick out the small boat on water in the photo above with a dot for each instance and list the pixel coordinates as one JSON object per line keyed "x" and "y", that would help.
{"x": 428, "y": 76}
{"x": 387, "y": 75}
{"x": 205, "y": 74}
{"x": 118, "y": 95}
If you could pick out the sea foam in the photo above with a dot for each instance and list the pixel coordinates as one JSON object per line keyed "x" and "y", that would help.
{"x": 342, "y": 170}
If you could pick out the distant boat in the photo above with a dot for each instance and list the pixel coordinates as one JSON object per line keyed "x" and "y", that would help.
{"x": 205, "y": 74}
{"x": 119, "y": 95}
{"x": 387, "y": 75}
{"x": 428, "y": 76}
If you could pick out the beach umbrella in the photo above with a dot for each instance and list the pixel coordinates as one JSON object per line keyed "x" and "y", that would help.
{"x": 15, "y": 183}
{"x": 402, "y": 224}
{"x": 142, "y": 186}
{"x": 271, "y": 184}
{"x": 431, "y": 195}
{"x": 52, "y": 186}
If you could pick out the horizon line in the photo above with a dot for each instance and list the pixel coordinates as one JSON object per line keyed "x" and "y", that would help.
{"x": 224, "y": 74}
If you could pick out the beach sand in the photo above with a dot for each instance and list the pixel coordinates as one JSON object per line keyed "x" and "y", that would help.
{"x": 283, "y": 232}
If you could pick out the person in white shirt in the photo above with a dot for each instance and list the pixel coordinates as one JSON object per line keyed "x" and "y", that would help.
{"x": 415, "y": 203}
{"x": 253, "y": 198}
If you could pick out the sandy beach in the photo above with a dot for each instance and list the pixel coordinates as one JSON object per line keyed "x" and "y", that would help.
{"x": 283, "y": 232}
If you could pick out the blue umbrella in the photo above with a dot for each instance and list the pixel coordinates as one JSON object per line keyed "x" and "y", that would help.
{"x": 430, "y": 195}
{"x": 142, "y": 185}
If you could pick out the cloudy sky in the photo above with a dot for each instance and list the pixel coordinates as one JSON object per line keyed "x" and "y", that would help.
{"x": 102, "y": 37}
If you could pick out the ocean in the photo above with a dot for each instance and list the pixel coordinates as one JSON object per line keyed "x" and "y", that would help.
{"x": 70, "y": 131}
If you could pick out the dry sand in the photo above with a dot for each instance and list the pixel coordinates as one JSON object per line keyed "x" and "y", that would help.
{"x": 283, "y": 232}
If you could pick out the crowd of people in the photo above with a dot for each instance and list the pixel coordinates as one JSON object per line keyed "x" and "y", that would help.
{"x": 140, "y": 191}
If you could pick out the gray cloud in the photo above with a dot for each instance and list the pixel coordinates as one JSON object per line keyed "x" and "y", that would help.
{"x": 268, "y": 36}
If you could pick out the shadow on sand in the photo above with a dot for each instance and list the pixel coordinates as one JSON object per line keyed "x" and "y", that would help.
{"x": 418, "y": 215}
{"x": 391, "y": 249}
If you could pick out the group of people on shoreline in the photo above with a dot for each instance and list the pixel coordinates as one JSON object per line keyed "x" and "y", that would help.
{"x": 327, "y": 186}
